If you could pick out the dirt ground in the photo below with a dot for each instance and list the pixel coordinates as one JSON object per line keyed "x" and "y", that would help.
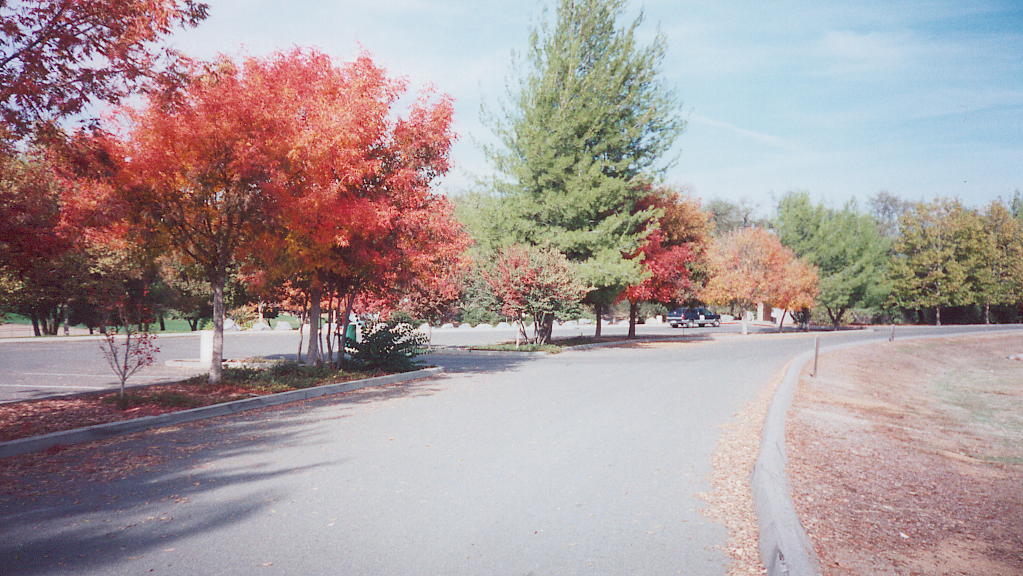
{"x": 907, "y": 458}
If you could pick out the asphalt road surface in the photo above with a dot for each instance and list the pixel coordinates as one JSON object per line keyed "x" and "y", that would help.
{"x": 36, "y": 368}
{"x": 587, "y": 462}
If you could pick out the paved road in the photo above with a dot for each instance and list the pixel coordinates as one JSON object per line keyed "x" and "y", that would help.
{"x": 588, "y": 462}
{"x": 36, "y": 368}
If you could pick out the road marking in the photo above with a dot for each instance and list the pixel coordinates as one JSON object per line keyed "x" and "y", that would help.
{"x": 30, "y": 386}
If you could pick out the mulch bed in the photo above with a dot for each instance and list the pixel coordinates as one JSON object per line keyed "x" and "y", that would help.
{"x": 35, "y": 417}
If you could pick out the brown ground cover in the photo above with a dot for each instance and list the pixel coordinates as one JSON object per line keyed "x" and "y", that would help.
{"x": 35, "y": 417}
{"x": 907, "y": 458}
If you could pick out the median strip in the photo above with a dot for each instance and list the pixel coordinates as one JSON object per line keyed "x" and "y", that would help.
{"x": 107, "y": 430}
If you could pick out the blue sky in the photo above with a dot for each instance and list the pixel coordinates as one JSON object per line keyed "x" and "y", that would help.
{"x": 922, "y": 99}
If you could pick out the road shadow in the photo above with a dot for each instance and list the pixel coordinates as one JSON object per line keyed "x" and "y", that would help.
{"x": 479, "y": 363}
{"x": 94, "y": 505}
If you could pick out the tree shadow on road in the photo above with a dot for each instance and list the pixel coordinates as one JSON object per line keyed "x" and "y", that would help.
{"x": 98, "y": 504}
{"x": 476, "y": 363}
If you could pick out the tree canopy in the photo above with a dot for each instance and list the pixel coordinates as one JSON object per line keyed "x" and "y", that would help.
{"x": 586, "y": 128}
{"x": 845, "y": 245}
{"x": 56, "y": 56}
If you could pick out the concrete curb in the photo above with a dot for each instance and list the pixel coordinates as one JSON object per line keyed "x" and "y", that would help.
{"x": 785, "y": 549}
{"x": 103, "y": 431}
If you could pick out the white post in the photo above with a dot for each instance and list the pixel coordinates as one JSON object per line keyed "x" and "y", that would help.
{"x": 816, "y": 352}
{"x": 206, "y": 347}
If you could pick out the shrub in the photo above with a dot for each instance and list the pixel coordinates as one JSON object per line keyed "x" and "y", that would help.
{"x": 388, "y": 346}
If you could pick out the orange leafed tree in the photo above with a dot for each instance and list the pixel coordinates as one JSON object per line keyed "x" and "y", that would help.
{"x": 750, "y": 265}
{"x": 200, "y": 159}
{"x": 797, "y": 288}
{"x": 353, "y": 181}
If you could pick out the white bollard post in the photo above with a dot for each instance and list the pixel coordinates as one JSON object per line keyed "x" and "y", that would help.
{"x": 206, "y": 347}
{"x": 816, "y": 352}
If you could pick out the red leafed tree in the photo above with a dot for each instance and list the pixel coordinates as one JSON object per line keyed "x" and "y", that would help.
{"x": 59, "y": 236}
{"x": 128, "y": 352}
{"x": 33, "y": 255}
{"x": 58, "y": 55}
{"x": 673, "y": 255}
{"x": 534, "y": 282}
{"x": 428, "y": 278}
{"x": 356, "y": 181}
{"x": 201, "y": 157}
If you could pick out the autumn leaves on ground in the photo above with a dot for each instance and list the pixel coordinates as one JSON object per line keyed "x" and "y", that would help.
{"x": 907, "y": 458}
{"x": 35, "y": 417}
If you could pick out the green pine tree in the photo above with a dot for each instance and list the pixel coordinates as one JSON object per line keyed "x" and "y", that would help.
{"x": 583, "y": 135}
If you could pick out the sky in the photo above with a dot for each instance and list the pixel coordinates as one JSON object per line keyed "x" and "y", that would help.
{"x": 842, "y": 99}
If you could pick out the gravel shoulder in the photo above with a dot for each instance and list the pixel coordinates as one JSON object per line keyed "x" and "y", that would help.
{"x": 907, "y": 458}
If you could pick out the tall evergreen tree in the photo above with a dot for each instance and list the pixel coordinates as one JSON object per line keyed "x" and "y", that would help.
{"x": 583, "y": 132}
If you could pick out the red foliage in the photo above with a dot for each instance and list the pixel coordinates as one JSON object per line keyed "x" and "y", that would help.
{"x": 671, "y": 252}
{"x": 58, "y": 55}
{"x": 353, "y": 182}
{"x": 534, "y": 282}
{"x": 668, "y": 271}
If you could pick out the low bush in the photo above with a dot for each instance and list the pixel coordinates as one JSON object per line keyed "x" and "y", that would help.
{"x": 388, "y": 346}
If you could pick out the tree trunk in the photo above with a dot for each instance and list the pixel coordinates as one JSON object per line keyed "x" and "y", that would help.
{"x": 313, "y": 354}
{"x": 781, "y": 321}
{"x": 745, "y": 322}
{"x": 67, "y": 319}
{"x": 35, "y": 324}
{"x": 987, "y": 312}
{"x": 193, "y": 324}
{"x": 836, "y": 317}
{"x": 521, "y": 323}
{"x": 599, "y": 309}
{"x": 122, "y": 400}
{"x": 163, "y": 324}
{"x": 633, "y": 313}
{"x": 546, "y": 329}
{"x": 301, "y": 337}
{"x": 217, "y": 363}
{"x": 331, "y": 328}
{"x": 53, "y": 322}
{"x": 937, "y": 315}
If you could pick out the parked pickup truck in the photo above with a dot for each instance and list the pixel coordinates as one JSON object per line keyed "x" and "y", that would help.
{"x": 690, "y": 316}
